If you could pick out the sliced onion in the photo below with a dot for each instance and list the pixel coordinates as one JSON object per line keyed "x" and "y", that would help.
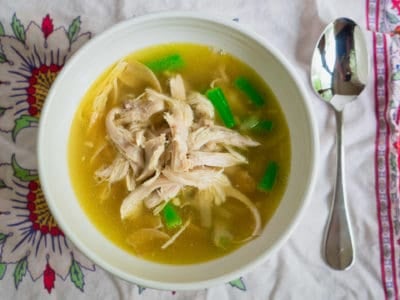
{"x": 234, "y": 193}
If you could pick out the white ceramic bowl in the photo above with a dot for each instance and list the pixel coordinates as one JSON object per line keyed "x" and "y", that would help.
{"x": 103, "y": 50}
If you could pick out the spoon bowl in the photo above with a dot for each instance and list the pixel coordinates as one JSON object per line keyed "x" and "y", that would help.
{"x": 339, "y": 71}
{"x": 339, "y": 67}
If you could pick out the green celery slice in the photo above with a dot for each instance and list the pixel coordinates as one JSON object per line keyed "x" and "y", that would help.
{"x": 217, "y": 98}
{"x": 268, "y": 180}
{"x": 249, "y": 90}
{"x": 254, "y": 124}
{"x": 264, "y": 125}
{"x": 170, "y": 62}
{"x": 171, "y": 216}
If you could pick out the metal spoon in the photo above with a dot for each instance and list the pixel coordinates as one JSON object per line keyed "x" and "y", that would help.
{"x": 339, "y": 73}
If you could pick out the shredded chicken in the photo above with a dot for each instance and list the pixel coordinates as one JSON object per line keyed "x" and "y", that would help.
{"x": 200, "y": 178}
{"x": 137, "y": 75}
{"x": 176, "y": 235}
{"x": 218, "y": 134}
{"x": 100, "y": 102}
{"x": 141, "y": 110}
{"x": 164, "y": 192}
{"x": 167, "y": 142}
{"x": 134, "y": 74}
{"x": 202, "y": 108}
{"x": 153, "y": 149}
{"x": 177, "y": 88}
{"x": 97, "y": 152}
{"x": 203, "y": 201}
{"x": 212, "y": 159}
{"x": 114, "y": 172}
{"x": 130, "y": 182}
{"x": 180, "y": 120}
{"x": 133, "y": 202}
{"x": 122, "y": 139}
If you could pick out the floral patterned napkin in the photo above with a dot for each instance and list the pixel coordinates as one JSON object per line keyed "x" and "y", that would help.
{"x": 31, "y": 56}
{"x": 38, "y": 261}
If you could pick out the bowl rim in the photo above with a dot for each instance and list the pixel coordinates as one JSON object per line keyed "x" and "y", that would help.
{"x": 314, "y": 138}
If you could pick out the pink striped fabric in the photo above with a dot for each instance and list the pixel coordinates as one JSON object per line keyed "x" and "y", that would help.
{"x": 383, "y": 18}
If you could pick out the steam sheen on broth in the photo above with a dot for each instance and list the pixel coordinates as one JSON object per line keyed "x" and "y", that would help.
{"x": 195, "y": 225}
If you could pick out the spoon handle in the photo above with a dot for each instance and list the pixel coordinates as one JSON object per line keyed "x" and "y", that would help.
{"x": 339, "y": 250}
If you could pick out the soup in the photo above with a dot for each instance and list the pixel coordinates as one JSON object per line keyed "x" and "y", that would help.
{"x": 179, "y": 153}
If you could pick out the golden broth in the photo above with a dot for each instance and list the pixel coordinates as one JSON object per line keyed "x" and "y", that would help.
{"x": 202, "y": 65}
